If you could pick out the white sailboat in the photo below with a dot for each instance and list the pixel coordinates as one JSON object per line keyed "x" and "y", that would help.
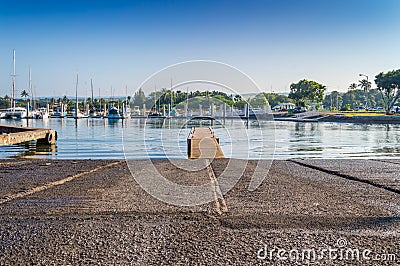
{"x": 92, "y": 112}
{"x": 42, "y": 112}
{"x": 14, "y": 112}
{"x": 126, "y": 109}
{"x": 77, "y": 114}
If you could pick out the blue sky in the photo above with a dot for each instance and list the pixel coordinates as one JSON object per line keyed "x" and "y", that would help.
{"x": 120, "y": 43}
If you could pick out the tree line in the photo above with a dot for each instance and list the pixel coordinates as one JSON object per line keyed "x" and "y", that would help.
{"x": 178, "y": 98}
{"x": 386, "y": 94}
{"x": 302, "y": 93}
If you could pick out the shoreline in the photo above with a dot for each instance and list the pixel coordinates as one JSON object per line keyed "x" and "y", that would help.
{"x": 340, "y": 118}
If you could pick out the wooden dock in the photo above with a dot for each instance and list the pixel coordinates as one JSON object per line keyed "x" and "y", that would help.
{"x": 13, "y": 135}
{"x": 203, "y": 143}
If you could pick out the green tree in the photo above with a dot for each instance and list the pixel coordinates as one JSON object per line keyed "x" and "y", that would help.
{"x": 25, "y": 95}
{"x": 365, "y": 85}
{"x": 240, "y": 104}
{"x": 389, "y": 85}
{"x": 352, "y": 98}
{"x": 275, "y": 99}
{"x": 333, "y": 101}
{"x": 306, "y": 90}
{"x": 4, "y": 102}
{"x": 353, "y": 86}
{"x": 375, "y": 98}
{"x": 65, "y": 100}
{"x": 139, "y": 98}
{"x": 258, "y": 101}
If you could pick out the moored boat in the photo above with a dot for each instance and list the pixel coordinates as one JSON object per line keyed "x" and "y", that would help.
{"x": 113, "y": 113}
{"x": 15, "y": 113}
{"x": 41, "y": 113}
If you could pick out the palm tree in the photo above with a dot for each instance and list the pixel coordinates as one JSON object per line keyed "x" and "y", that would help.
{"x": 25, "y": 95}
{"x": 65, "y": 99}
{"x": 365, "y": 85}
{"x": 353, "y": 86}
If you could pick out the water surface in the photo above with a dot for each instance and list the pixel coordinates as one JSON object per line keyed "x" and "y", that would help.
{"x": 159, "y": 139}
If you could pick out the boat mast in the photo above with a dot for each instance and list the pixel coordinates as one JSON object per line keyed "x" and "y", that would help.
{"x": 76, "y": 97}
{"x": 126, "y": 99}
{"x": 30, "y": 87}
{"x": 91, "y": 85}
{"x": 159, "y": 103}
{"x": 12, "y": 103}
{"x": 126, "y": 93}
{"x": 34, "y": 98}
{"x": 112, "y": 96}
{"x": 99, "y": 101}
{"x": 155, "y": 101}
{"x": 170, "y": 106}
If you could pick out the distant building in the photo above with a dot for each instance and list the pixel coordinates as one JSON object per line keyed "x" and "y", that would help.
{"x": 284, "y": 107}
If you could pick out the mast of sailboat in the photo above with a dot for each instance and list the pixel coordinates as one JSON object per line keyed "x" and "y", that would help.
{"x": 30, "y": 87}
{"x": 112, "y": 96}
{"x": 99, "y": 101}
{"x": 187, "y": 101}
{"x": 91, "y": 86}
{"x": 12, "y": 103}
{"x": 170, "y": 106}
{"x": 76, "y": 97}
{"x": 126, "y": 100}
{"x": 155, "y": 101}
{"x": 126, "y": 93}
{"x": 159, "y": 103}
{"x": 34, "y": 98}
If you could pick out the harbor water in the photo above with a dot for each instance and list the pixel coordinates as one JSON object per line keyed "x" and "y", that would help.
{"x": 166, "y": 138}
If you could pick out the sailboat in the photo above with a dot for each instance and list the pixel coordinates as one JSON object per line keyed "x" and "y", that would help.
{"x": 113, "y": 112}
{"x": 77, "y": 113}
{"x": 14, "y": 112}
{"x": 126, "y": 109}
{"x": 93, "y": 112}
{"x": 155, "y": 113}
{"x": 42, "y": 112}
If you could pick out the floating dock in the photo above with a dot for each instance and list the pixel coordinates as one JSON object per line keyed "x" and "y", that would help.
{"x": 14, "y": 135}
{"x": 203, "y": 143}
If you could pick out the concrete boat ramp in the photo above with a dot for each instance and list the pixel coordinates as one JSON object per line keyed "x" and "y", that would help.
{"x": 14, "y": 135}
{"x": 85, "y": 212}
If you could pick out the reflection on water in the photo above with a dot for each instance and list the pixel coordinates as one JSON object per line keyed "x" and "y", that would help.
{"x": 165, "y": 138}
{"x": 33, "y": 149}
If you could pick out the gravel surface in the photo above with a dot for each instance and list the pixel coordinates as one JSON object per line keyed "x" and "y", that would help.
{"x": 104, "y": 217}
